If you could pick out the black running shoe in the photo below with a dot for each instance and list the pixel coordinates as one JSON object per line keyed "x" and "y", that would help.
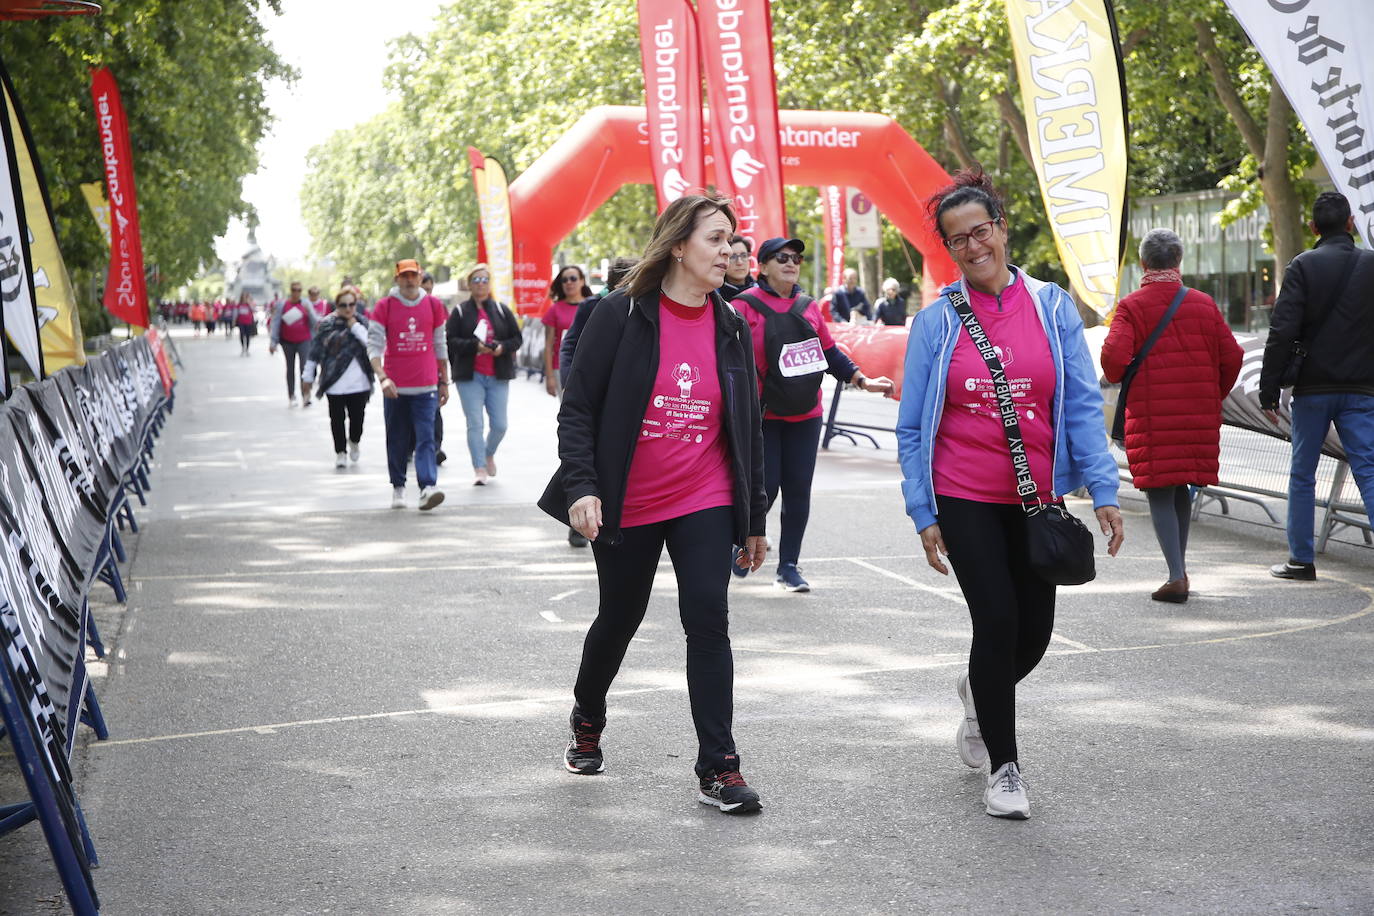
{"x": 583, "y": 755}
{"x": 728, "y": 791}
{"x": 1303, "y": 572}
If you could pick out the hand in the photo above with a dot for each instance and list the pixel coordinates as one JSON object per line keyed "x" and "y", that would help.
{"x": 585, "y": 517}
{"x": 882, "y": 384}
{"x": 753, "y": 553}
{"x": 1109, "y": 518}
{"x": 1272, "y": 416}
{"x": 498, "y": 350}
{"x": 934, "y": 543}
{"x": 483, "y": 349}
{"x": 550, "y": 384}
{"x": 389, "y": 389}
{"x": 443, "y": 393}
{"x": 352, "y": 319}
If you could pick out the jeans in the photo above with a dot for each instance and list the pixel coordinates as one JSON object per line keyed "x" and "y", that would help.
{"x": 699, "y": 545}
{"x": 1313, "y": 415}
{"x": 1012, "y": 610}
{"x": 353, "y": 405}
{"x": 295, "y": 362}
{"x": 493, "y": 394}
{"x": 789, "y": 464}
{"x": 409, "y": 422}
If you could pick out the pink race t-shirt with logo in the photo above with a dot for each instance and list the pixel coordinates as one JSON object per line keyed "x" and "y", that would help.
{"x": 409, "y": 359}
{"x": 295, "y": 324}
{"x": 559, "y": 316}
{"x": 971, "y": 459}
{"x": 485, "y": 363}
{"x": 802, "y": 359}
{"x": 681, "y": 463}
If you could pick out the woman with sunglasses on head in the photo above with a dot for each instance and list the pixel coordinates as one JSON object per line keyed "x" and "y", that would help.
{"x": 483, "y": 338}
{"x": 787, "y": 326}
{"x": 337, "y": 354}
{"x": 568, "y": 290}
{"x": 960, "y": 485}
{"x": 660, "y": 446}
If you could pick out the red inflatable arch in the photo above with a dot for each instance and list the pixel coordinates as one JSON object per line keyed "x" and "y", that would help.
{"x": 608, "y": 148}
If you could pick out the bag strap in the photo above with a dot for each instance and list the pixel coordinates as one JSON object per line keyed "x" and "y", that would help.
{"x": 802, "y": 303}
{"x": 756, "y": 305}
{"x": 1011, "y": 425}
{"x": 1150, "y": 341}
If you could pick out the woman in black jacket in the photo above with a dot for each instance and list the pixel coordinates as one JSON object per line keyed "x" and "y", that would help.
{"x": 483, "y": 338}
{"x": 660, "y": 443}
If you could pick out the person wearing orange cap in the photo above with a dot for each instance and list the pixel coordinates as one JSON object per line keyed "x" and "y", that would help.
{"x": 409, "y": 353}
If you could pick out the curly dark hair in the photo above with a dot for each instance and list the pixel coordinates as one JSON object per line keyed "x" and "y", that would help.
{"x": 967, "y": 186}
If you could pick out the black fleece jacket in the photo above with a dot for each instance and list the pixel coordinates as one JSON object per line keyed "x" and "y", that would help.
{"x": 462, "y": 346}
{"x": 608, "y": 392}
{"x": 1335, "y": 326}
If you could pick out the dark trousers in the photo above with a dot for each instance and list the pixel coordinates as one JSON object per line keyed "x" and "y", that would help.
{"x": 353, "y": 406}
{"x": 789, "y": 464}
{"x": 295, "y": 362}
{"x": 699, "y": 545}
{"x": 409, "y": 422}
{"x": 245, "y": 336}
{"x": 1011, "y": 607}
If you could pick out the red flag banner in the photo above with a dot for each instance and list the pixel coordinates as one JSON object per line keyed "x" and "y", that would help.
{"x": 672, "y": 96}
{"x": 737, "y": 45}
{"x": 876, "y": 349}
{"x": 126, "y": 292}
{"x": 832, "y": 200}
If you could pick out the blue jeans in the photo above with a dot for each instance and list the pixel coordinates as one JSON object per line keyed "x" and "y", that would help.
{"x": 492, "y": 393}
{"x": 1313, "y": 415}
{"x": 410, "y": 426}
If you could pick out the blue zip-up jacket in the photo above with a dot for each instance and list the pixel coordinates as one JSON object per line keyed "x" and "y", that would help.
{"x": 1081, "y": 456}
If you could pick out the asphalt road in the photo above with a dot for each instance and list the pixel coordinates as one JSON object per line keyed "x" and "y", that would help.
{"x": 321, "y": 705}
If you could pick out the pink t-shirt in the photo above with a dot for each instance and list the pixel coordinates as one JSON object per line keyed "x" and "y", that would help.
{"x": 756, "y": 323}
{"x": 681, "y": 464}
{"x": 295, "y": 326}
{"x": 971, "y": 460}
{"x": 559, "y": 316}
{"x": 485, "y": 363}
{"x": 409, "y": 359}
{"x": 322, "y": 307}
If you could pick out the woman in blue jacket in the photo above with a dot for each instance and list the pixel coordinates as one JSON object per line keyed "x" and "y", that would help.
{"x": 959, "y": 483}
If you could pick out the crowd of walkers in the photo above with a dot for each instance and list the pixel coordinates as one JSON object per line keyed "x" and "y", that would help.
{"x": 690, "y": 401}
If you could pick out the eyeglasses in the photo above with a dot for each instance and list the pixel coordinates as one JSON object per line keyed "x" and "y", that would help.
{"x": 981, "y": 232}
{"x": 480, "y": 280}
{"x": 788, "y": 257}
{"x": 739, "y": 258}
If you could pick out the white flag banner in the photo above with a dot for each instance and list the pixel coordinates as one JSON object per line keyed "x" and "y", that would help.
{"x": 1319, "y": 50}
{"x": 16, "y": 282}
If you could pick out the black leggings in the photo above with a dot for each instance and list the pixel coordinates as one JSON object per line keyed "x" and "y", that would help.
{"x": 1012, "y": 610}
{"x": 699, "y": 545}
{"x": 353, "y": 405}
{"x": 245, "y": 336}
{"x": 295, "y": 362}
{"x": 789, "y": 462}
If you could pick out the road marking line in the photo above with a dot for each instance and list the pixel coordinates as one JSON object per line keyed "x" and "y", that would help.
{"x": 906, "y": 580}
{"x": 562, "y": 595}
{"x": 1069, "y": 642}
{"x": 550, "y": 616}
{"x": 780, "y": 651}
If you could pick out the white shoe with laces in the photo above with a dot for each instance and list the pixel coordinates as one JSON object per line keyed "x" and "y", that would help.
{"x": 430, "y": 497}
{"x": 398, "y": 497}
{"x": 969, "y": 738}
{"x": 1005, "y": 795}
{"x": 340, "y": 460}
{"x": 354, "y": 451}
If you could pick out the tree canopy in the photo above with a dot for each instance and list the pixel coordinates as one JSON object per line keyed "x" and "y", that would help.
{"x": 1203, "y": 113}
{"x": 192, "y": 77}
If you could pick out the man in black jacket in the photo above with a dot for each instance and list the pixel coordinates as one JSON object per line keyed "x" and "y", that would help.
{"x": 1326, "y": 306}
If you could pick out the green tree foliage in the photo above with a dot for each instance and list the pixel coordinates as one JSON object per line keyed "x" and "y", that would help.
{"x": 192, "y": 78}
{"x": 1202, "y": 114}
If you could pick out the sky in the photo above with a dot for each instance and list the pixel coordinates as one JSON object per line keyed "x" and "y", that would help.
{"x": 340, "y": 49}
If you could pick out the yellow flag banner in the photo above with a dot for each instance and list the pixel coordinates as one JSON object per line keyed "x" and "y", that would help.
{"x": 59, "y": 321}
{"x": 1073, "y": 92}
{"x": 493, "y": 204}
{"x": 94, "y": 192}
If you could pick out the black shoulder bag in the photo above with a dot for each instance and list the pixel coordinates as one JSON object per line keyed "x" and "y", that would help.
{"x": 1297, "y": 353}
{"x": 1061, "y": 548}
{"x": 1119, "y": 419}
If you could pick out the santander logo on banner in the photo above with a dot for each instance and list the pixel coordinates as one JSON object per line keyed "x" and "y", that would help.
{"x": 737, "y": 45}
{"x": 672, "y": 96}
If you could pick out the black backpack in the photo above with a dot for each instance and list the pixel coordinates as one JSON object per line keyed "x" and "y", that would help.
{"x": 795, "y": 360}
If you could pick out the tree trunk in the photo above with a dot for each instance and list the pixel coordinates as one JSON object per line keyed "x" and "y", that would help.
{"x": 1285, "y": 208}
{"x": 1017, "y": 122}
{"x": 955, "y": 138}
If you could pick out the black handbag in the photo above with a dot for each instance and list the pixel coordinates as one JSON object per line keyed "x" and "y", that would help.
{"x": 1119, "y": 418}
{"x": 1060, "y": 546}
{"x": 1297, "y": 351}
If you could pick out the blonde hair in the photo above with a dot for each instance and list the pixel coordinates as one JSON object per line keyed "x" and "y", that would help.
{"x": 674, "y": 225}
{"x": 475, "y": 268}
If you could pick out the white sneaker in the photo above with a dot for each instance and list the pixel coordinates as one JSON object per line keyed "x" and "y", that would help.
{"x": 430, "y": 497}
{"x": 1006, "y": 793}
{"x": 398, "y": 497}
{"x": 340, "y": 460}
{"x": 354, "y": 451}
{"x": 969, "y": 738}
